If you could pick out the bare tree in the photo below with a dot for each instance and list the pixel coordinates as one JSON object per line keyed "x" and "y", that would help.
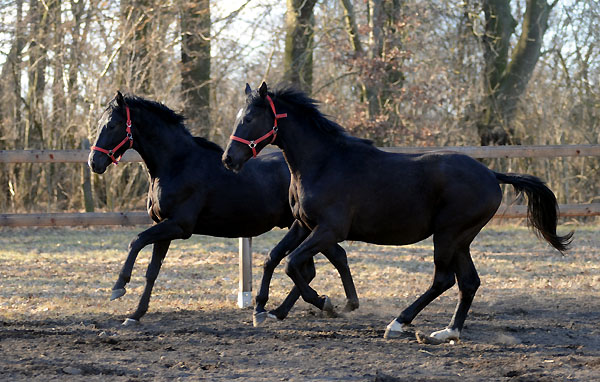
{"x": 298, "y": 55}
{"x": 195, "y": 64}
{"x": 508, "y": 73}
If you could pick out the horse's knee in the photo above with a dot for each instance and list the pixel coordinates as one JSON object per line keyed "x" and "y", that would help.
{"x": 308, "y": 271}
{"x": 133, "y": 244}
{"x": 292, "y": 267}
{"x": 271, "y": 262}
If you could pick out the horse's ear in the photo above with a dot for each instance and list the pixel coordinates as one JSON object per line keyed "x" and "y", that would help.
{"x": 120, "y": 100}
{"x": 262, "y": 91}
{"x": 248, "y": 89}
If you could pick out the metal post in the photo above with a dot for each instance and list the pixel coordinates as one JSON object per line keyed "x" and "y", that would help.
{"x": 245, "y": 274}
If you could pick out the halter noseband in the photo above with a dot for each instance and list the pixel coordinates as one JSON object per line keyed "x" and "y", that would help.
{"x": 273, "y": 132}
{"x": 128, "y": 137}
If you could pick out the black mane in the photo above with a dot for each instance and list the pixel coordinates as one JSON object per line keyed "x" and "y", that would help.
{"x": 170, "y": 118}
{"x": 309, "y": 108}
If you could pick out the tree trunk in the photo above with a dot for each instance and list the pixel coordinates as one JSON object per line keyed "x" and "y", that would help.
{"x": 383, "y": 78}
{"x": 10, "y": 106}
{"x": 195, "y": 65}
{"x": 133, "y": 56}
{"x": 506, "y": 81}
{"x": 298, "y": 55}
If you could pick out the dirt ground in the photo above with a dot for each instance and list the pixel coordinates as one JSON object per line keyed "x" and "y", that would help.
{"x": 536, "y": 316}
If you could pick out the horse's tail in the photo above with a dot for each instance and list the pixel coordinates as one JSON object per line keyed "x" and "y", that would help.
{"x": 542, "y": 208}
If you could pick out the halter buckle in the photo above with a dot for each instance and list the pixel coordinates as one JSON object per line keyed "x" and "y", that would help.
{"x": 252, "y": 144}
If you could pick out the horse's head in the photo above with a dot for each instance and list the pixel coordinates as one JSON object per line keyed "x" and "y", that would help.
{"x": 255, "y": 127}
{"x": 114, "y": 135}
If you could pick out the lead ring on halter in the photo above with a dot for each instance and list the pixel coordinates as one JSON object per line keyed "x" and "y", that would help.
{"x": 273, "y": 132}
{"x": 128, "y": 137}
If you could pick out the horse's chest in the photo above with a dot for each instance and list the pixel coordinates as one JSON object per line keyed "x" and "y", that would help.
{"x": 159, "y": 202}
{"x": 304, "y": 207}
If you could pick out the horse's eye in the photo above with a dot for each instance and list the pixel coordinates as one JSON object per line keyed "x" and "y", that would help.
{"x": 247, "y": 119}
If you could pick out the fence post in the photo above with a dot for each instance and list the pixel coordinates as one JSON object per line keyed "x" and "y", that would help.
{"x": 86, "y": 181}
{"x": 245, "y": 273}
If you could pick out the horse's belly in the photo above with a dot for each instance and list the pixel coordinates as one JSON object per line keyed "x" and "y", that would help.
{"x": 390, "y": 238}
{"x": 391, "y": 230}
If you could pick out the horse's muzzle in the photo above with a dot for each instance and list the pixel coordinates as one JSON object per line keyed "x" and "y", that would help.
{"x": 98, "y": 165}
{"x": 230, "y": 165}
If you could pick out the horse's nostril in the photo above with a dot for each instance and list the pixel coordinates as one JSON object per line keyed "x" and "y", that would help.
{"x": 228, "y": 160}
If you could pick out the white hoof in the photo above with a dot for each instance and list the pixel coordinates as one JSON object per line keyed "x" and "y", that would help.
{"x": 259, "y": 318}
{"x": 396, "y": 329}
{"x": 446, "y": 334}
{"x": 130, "y": 322}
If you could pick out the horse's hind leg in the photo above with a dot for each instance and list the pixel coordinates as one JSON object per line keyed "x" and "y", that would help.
{"x": 468, "y": 283}
{"x": 159, "y": 252}
{"x": 443, "y": 279}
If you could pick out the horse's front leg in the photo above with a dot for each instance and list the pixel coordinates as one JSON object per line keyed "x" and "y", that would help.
{"x": 166, "y": 230}
{"x": 291, "y": 240}
{"x": 319, "y": 240}
{"x": 337, "y": 256}
{"x": 158, "y": 255}
{"x": 281, "y": 312}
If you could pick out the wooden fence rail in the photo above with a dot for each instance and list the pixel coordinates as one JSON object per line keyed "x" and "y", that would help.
{"x": 87, "y": 219}
{"x": 81, "y": 156}
{"x": 245, "y": 254}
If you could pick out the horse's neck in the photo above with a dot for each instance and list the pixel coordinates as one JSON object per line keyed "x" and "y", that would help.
{"x": 158, "y": 145}
{"x": 304, "y": 147}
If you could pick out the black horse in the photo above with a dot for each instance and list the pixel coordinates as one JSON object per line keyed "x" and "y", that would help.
{"x": 344, "y": 188}
{"x": 192, "y": 193}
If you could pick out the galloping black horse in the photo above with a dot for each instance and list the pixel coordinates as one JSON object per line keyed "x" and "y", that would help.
{"x": 192, "y": 193}
{"x": 345, "y": 188}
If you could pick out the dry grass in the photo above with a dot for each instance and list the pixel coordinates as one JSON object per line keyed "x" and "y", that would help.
{"x": 48, "y": 273}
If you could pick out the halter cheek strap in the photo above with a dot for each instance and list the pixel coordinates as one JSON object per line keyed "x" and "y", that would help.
{"x": 128, "y": 137}
{"x": 273, "y": 132}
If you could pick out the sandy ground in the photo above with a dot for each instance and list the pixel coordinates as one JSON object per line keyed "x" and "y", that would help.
{"x": 535, "y": 318}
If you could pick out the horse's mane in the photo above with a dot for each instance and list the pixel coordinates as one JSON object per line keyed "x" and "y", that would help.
{"x": 308, "y": 107}
{"x": 171, "y": 118}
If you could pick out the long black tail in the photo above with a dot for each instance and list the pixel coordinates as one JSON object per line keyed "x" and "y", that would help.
{"x": 542, "y": 208}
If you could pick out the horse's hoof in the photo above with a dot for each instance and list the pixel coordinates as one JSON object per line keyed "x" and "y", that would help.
{"x": 116, "y": 293}
{"x": 130, "y": 322}
{"x": 428, "y": 340}
{"x": 258, "y": 318}
{"x": 396, "y": 330}
{"x": 328, "y": 308}
{"x": 350, "y": 306}
{"x": 446, "y": 335}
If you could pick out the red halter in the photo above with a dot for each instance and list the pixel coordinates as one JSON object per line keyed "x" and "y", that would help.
{"x": 273, "y": 132}
{"x": 128, "y": 137}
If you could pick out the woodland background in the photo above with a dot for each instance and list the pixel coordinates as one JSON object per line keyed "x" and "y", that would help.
{"x": 400, "y": 72}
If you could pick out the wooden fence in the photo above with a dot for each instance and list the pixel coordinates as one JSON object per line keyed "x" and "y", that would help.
{"x": 245, "y": 254}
